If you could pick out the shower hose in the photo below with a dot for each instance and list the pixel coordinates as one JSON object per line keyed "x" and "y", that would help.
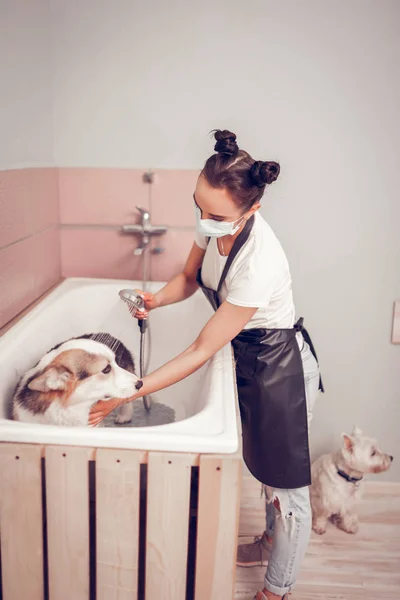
{"x": 143, "y": 326}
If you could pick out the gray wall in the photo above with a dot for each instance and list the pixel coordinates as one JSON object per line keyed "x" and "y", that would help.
{"x": 26, "y": 82}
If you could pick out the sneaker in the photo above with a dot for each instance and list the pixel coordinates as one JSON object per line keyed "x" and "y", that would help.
{"x": 255, "y": 554}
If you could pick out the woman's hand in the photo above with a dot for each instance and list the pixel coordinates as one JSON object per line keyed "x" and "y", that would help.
{"x": 150, "y": 303}
{"x": 102, "y": 409}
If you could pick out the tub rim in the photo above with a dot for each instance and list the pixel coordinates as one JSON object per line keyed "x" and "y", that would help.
{"x": 226, "y": 441}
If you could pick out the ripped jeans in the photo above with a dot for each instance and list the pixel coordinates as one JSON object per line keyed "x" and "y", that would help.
{"x": 289, "y": 511}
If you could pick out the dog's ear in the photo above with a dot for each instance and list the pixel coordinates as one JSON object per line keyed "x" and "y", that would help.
{"x": 53, "y": 378}
{"x": 356, "y": 430}
{"x": 348, "y": 442}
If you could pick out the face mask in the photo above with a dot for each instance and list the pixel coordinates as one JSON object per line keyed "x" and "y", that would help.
{"x": 210, "y": 228}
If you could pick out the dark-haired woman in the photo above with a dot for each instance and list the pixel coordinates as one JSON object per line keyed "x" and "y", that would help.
{"x": 241, "y": 267}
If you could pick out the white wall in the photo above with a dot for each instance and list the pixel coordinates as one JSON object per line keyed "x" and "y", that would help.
{"x": 26, "y": 115}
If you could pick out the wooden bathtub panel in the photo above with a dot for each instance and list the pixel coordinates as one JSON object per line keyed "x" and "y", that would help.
{"x": 167, "y": 525}
{"x": 217, "y": 526}
{"x": 21, "y": 522}
{"x": 117, "y": 517}
{"x": 67, "y": 489}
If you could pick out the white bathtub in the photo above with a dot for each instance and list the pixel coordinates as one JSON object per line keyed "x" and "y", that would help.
{"x": 205, "y": 402}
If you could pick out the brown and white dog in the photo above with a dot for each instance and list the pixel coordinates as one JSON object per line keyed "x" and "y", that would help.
{"x": 63, "y": 386}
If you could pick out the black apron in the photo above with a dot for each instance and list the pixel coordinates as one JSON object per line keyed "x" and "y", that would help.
{"x": 272, "y": 397}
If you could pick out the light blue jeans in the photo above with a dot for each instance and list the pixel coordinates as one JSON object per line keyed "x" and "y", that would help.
{"x": 289, "y": 511}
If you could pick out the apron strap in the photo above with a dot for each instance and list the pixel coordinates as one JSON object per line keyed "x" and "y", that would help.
{"x": 237, "y": 246}
{"x": 300, "y": 327}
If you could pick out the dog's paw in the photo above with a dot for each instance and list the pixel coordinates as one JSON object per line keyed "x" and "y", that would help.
{"x": 348, "y": 524}
{"x": 319, "y": 529}
{"x": 120, "y": 420}
{"x": 352, "y": 528}
{"x": 124, "y": 415}
{"x": 319, "y": 525}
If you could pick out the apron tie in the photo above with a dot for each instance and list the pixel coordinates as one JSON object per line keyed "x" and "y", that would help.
{"x": 299, "y": 327}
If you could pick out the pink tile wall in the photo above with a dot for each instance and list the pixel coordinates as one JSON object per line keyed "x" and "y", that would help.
{"x": 28, "y": 203}
{"x": 91, "y": 205}
{"x": 29, "y": 237}
{"x": 177, "y": 244}
{"x": 94, "y": 203}
{"x": 101, "y": 196}
{"x": 172, "y": 198}
{"x": 98, "y": 253}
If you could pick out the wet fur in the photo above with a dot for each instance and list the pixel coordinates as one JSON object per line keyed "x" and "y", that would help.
{"x": 70, "y": 367}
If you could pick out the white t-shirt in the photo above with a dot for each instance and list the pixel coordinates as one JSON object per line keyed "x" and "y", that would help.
{"x": 259, "y": 277}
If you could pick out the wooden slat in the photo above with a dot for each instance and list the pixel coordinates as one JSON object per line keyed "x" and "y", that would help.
{"x": 117, "y": 517}
{"x": 218, "y": 516}
{"x": 167, "y": 525}
{"x": 67, "y": 493}
{"x": 193, "y": 458}
{"x": 21, "y": 521}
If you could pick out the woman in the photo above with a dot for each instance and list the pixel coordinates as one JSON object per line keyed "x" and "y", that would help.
{"x": 241, "y": 267}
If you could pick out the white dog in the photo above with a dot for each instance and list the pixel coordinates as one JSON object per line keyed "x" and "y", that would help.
{"x": 336, "y": 481}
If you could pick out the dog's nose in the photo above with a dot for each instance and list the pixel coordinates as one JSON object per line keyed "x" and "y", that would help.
{"x": 391, "y": 458}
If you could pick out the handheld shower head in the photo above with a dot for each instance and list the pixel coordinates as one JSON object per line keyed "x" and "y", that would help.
{"x": 135, "y": 302}
{"x": 132, "y": 299}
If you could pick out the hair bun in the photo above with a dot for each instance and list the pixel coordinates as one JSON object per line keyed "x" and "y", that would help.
{"x": 226, "y": 142}
{"x": 263, "y": 173}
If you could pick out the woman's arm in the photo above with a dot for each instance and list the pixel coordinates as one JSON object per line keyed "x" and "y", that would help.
{"x": 184, "y": 284}
{"x": 223, "y": 326}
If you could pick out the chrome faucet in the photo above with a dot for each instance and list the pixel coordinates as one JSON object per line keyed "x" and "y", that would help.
{"x": 138, "y": 251}
{"x": 145, "y": 236}
{"x": 145, "y": 216}
{"x": 145, "y": 229}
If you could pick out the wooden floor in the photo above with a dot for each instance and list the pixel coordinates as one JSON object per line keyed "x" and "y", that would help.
{"x": 338, "y": 566}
